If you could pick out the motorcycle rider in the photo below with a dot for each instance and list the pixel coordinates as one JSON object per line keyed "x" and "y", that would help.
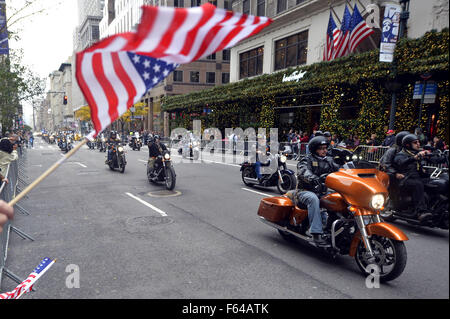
{"x": 408, "y": 162}
{"x": 259, "y": 155}
{"x": 155, "y": 149}
{"x": 387, "y": 162}
{"x": 310, "y": 169}
{"x": 112, "y": 140}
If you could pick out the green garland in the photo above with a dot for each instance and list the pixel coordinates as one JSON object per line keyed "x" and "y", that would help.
{"x": 360, "y": 77}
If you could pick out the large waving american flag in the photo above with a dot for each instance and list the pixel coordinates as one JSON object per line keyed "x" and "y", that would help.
{"x": 116, "y": 72}
{"x": 27, "y": 285}
{"x": 342, "y": 47}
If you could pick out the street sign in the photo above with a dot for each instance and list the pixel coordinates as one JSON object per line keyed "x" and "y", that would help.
{"x": 430, "y": 92}
{"x": 137, "y": 117}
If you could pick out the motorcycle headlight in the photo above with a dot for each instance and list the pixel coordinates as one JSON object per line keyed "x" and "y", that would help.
{"x": 377, "y": 201}
{"x": 354, "y": 157}
{"x": 347, "y": 158}
{"x": 120, "y": 149}
{"x": 283, "y": 159}
{"x": 167, "y": 156}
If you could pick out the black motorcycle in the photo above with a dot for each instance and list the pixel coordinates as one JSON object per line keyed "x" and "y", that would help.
{"x": 118, "y": 160}
{"x": 162, "y": 171}
{"x": 400, "y": 205}
{"x": 101, "y": 144}
{"x": 65, "y": 144}
{"x": 135, "y": 143}
{"x": 283, "y": 178}
{"x": 91, "y": 144}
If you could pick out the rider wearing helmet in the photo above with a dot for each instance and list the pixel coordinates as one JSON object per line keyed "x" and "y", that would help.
{"x": 113, "y": 139}
{"x": 408, "y": 163}
{"x": 312, "y": 169}
{"x": 155, "y": 149}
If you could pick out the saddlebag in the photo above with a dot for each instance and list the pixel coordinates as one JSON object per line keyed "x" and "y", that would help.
{"x": 275, "y": 209}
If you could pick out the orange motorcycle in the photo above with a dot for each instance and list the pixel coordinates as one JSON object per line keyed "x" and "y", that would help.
{"x": 353, "y": 225}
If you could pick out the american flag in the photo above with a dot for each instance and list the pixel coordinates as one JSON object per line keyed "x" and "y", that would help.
{"x": 359, "y": 30}
{"x": 342, "y": 47}
{"x": 116, "y": 72}
{"x": 27, "y": 285}
{"x": 332, "y": 35}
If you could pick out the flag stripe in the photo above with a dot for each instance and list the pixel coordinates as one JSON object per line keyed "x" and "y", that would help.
{"x": 122, "y": 74}
{"x": 99, "y": 71}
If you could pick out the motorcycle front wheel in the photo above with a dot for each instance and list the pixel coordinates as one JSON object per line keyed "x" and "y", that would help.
{"x": 390, "y": 258}
{"x": 286, "y": 184}
{"x": 170, "y": 178}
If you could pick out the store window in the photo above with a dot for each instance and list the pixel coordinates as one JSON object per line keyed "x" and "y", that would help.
{"x": 291, "y": 51}
{"x": 195, "y": 76}
{"x": 251, "y": 63}
{"x": 210, "y": 77}
{"x": 178, "y": 76}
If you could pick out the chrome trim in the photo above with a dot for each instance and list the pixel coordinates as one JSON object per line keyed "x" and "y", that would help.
{"x": 364, "y": 235}
{"x": 334, "y": 233}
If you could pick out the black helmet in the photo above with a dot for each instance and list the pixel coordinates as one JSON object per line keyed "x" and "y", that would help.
{"x": 156, "y": 137}
{"x": 112, "y": 133}
{"x": 408, "y": 139}
{"x": 326, "y": 134}
{"x": 318, "y": 133}
{"x": 316, "y": 142}
{"x": 399, "y": 137}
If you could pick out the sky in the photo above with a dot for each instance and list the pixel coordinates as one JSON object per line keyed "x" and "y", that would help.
{"x": 46, "y": 38}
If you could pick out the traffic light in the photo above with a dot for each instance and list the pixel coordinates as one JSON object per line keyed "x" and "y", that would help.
{"x": 65, "y": 100}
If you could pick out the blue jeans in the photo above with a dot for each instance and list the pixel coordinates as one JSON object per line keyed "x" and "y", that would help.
{"x": 316, "y": 219}
{"x": 258, "y": 169}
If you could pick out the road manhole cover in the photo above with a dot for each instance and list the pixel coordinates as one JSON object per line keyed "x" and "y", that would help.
{"x": 164, "y": 193}
{"x": 142, "y": 223}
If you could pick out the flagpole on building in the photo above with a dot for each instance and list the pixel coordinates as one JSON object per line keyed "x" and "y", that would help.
{"x": 16, "y": 199}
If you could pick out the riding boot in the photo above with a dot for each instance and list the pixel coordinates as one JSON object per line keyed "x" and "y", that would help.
{"x": 319, "y": 240}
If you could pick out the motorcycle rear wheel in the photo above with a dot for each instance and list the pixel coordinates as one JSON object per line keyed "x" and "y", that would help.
{"x": 388, "y": 252}
{"x": 248, "y": 172}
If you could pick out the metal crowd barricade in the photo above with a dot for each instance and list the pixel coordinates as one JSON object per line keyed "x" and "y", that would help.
{"x": 17, "y": 181}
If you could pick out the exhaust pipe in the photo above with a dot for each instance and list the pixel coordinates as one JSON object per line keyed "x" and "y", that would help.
{"x": 251, "y": 180}
{"x": 285, "y": 229}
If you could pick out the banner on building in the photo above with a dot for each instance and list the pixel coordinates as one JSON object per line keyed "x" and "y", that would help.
{"x": 429, "y": 96}
{"x": 389, "y": 34}
{"x": 4, "y": 47}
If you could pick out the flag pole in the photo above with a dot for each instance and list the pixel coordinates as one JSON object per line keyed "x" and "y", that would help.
{"x": 16, "y": 199}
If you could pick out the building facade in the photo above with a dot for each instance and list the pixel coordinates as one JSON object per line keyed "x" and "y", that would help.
{"x": 297, "y": 34}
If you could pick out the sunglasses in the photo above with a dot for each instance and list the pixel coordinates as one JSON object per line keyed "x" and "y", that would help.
{"x": 415, "y": 142}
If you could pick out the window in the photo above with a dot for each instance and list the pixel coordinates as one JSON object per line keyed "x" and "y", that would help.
{"x": 178, "y": 76}
{"x": 291, "y": 51}
{"x": 195, "y": 76}
{"x": 196, "y": 3}
{"x": 95, "y": 33}
{"x": 213, "y": 2}
{"x": 261, "y": 8}
{"x": 300, "y": 1}
{"x": 246, "y": 7}
{"x": 225, "y": 78}
{"x": 281, "y": 5}
{"x": 227, "y": 5}
{"x": 251, "y": 63}
{"x": 211, "y": 57}
{"x": 178, "y": 3}
{"x": 210, "y": 77}
{"x": 226, "y": 55}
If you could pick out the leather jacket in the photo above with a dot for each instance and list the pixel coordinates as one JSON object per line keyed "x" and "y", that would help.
{"x": 311, "y": 167}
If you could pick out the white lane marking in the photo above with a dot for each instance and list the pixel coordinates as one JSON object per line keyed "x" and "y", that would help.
{"x": 142, "y": 161}
{"x": 82, "y": 165}
{"x": 250, "y": 190}
{"x": 147, "y": 204}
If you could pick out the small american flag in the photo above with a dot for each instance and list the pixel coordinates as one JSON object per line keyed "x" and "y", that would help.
{"x": 116, "y": 72}
{"x": 27, "y": 285}
{"x": 332, "y": 34}
{"x": 359, "y": 30}
{"x": 342, "y": 47}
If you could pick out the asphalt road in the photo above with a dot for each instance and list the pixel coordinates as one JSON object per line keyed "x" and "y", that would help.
{"x": 128, "y": 240}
